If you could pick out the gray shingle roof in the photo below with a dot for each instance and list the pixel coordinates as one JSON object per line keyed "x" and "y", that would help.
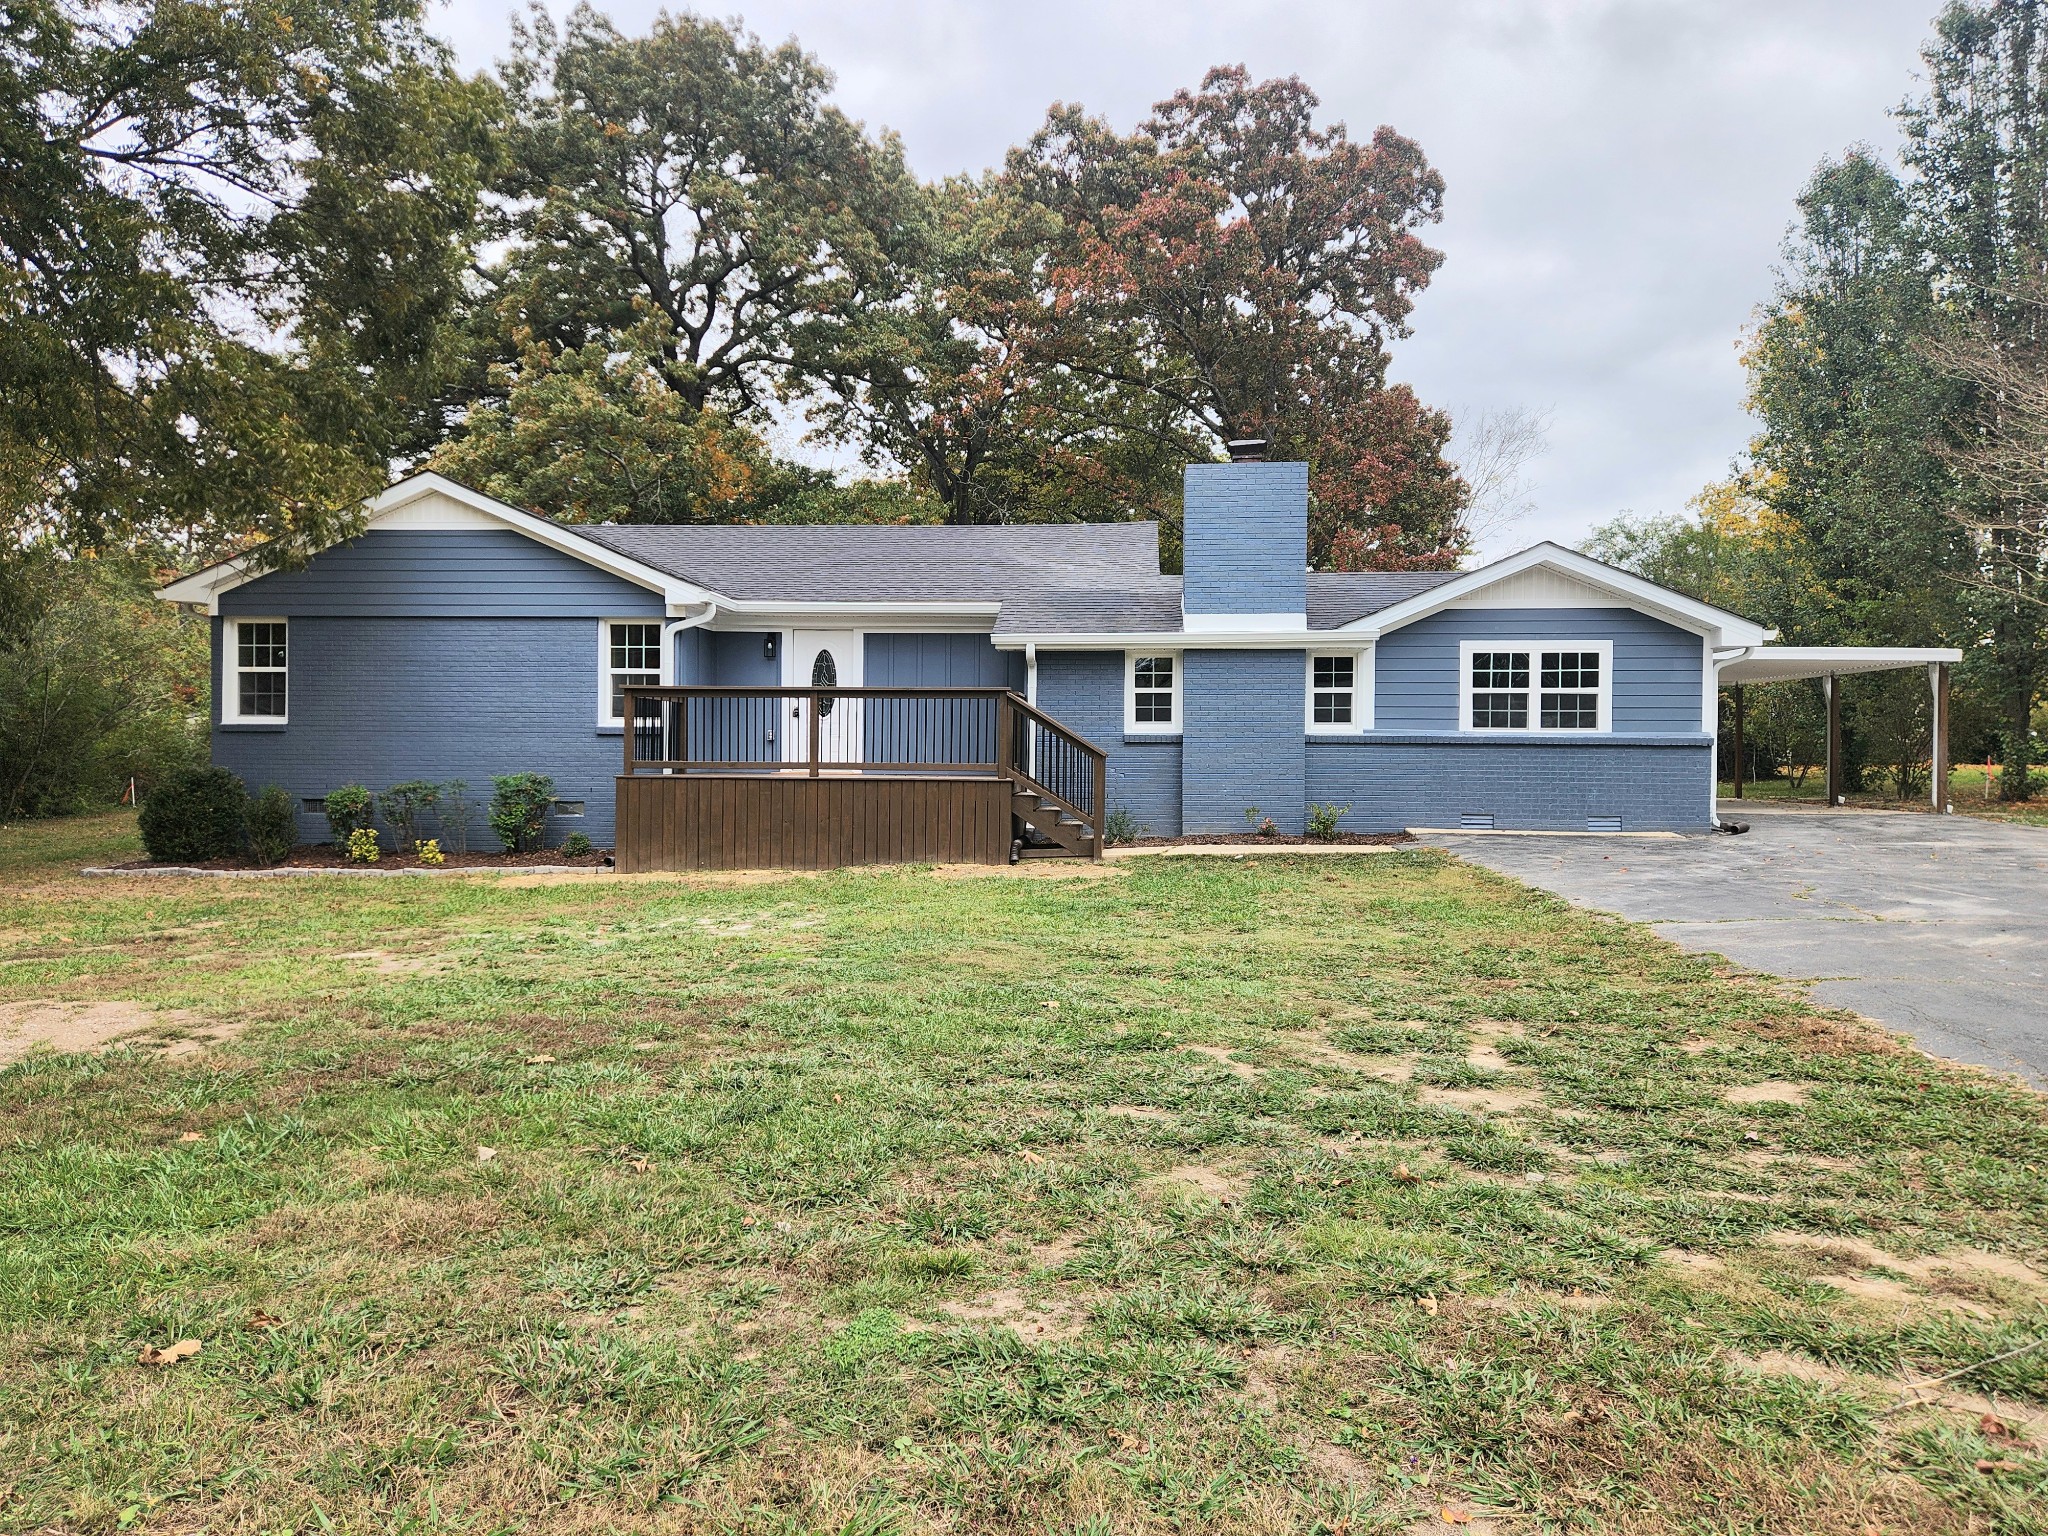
{"x": 839, "y": 562}
{"x": 1336, "y": 598}
{"x": 1153, "y": 607}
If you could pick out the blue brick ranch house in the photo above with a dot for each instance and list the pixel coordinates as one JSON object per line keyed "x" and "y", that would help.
{"x": 711, "y": 696}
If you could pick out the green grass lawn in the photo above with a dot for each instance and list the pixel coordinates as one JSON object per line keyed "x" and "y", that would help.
{"x": 1280, "y": 1195}
{"x": 1966, "y": 795}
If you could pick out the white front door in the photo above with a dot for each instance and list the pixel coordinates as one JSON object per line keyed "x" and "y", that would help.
{"x": 825, "y": 658}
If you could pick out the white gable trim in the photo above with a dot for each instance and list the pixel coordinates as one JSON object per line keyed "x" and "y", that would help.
{"x": 1627, "y": 590}
{"x": 432, "y": 502}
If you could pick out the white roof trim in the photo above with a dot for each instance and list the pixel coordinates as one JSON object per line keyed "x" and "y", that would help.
{"x": 206, "y": 586}
{"x": 1725, "y": 628}
{"x": 1788, "y": 663}
{"x": 1327, "y": 640}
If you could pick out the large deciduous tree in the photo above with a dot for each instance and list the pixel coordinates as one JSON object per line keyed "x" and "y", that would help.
{"x": 231, "y": 236}
{"x": 1247, "y": 268}
{"x": 697, "y": 176}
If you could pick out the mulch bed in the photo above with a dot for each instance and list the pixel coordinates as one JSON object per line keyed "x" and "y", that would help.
{"x": 1370, "y": 839}
{"x": 325, "y": 856}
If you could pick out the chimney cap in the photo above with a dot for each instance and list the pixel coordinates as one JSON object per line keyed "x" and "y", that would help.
{"x": 1247, "y": 450}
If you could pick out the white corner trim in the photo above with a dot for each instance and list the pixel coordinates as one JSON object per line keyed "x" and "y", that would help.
{"x": 1132, "y": 725}
{"x": 1722, "y": 627}
{"x": 1535, "y": 648}
{"x": 1241, "y": 623}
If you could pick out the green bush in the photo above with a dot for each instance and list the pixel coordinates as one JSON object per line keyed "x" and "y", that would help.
{"x": 349, "y": 809}
{"x": 1323, "y": 819}
{"x": 273, "y": 826}
{"x": 195, "y": 814}
{"x": 1120, "y": 826}
{"x": 575, "y": 845}
{"x": 362, "y": 847}
{"x": 405, "y": 806}
{"x": 519, "y": 809}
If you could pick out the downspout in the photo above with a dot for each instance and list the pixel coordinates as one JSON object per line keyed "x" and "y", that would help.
{"x": 669, "y": 631}
{"x": 1031, "y": 698}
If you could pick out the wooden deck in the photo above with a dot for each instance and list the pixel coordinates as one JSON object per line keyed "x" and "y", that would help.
{"x": 803, "y": 778}
{"x": 793, "y": 821}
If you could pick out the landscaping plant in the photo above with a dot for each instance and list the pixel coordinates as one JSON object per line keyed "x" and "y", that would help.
{"x": 430, "y": 853}
{"x": 405, "y": 806}
{"x": 575, "y": 845}
{"x": 519, "y": 809}
{"x": 1119, "y": 826}
{"x": 362, "y": 846}
{"x": 457, "y": 815}
{"x": 273, "y": 826}
{"x": 195, "y": 814}
{"x": 1323, "y": 819}
{"x": 348, "y": 809}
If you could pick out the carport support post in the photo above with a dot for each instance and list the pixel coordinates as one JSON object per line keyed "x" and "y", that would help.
{"x": 1937, "y": 790}
{"x": 1831, "y": 686}
{"x": 1737, "y": 743}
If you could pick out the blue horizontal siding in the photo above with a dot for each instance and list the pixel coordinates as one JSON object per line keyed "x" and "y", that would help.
{"x": 1084, "y": 691}
{"x": 457, "y": 573}
{"x": 1390, "y": 782}
{"x": 1656, "y": 684}
{"x": 376, "y": 701}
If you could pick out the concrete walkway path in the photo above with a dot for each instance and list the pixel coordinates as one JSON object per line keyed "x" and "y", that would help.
{"x": 1935, "y": 926}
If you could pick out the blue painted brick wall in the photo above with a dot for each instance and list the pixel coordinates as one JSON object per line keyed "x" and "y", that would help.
{"x": 1241, "y": 742}
{"x": 378, "y": 700}
{"x": 1392, "y": 781}
{"x": 1084, "y": 691}
{"x": 1244, "y": 535}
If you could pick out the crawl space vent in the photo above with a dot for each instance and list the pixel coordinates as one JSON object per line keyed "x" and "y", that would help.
{"x": 1603, "y": 823}
{"x": 1475, "y": 821}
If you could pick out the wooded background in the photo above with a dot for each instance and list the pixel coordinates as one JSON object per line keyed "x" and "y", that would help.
{"x": 262, "y": 257}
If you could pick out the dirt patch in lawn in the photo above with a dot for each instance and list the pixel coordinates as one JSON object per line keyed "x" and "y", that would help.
{"x": 385, "y": 963}
{"x": 1220, "y": 1054}
{"x": 1200, "y": 1177}
{"x": 69, "y": 1028}
{"x": 1137, "y": 1112}
{"x": 1765, "y": 1093}
{"x": 1048, "y": 1321}
{"x": 1493, "y": 1101}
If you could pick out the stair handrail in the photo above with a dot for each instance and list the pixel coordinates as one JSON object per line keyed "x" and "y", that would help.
{"x": 1022, "y": 710}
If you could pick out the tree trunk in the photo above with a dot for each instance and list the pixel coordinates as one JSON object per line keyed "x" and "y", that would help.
{"x": 2014, "y": 776}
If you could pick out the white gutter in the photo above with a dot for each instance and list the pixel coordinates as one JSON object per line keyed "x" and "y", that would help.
{"x": 675, "y": 627}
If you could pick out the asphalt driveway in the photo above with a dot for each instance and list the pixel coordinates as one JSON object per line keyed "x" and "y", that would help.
{"x": 1936, "y": 926}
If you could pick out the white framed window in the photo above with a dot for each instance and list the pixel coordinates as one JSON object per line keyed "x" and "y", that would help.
{"x": 255, "y": 674}
{"x": 1152, "y": 693}
{"x": 628, "y": 656}
{"x": 1338, "y": 702}
{"x": 1556, "y": 687}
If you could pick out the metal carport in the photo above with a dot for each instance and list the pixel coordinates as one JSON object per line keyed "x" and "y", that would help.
{"x": 1831, "y": 663}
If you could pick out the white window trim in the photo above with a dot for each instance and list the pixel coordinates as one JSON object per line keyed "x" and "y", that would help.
{"x": 1132, "y": 725}
{"x": 1361, "y": 695}
{"x": 231, "y": 673}
{"x": 605, "y": 717}
{"x": 1603, "y": 648}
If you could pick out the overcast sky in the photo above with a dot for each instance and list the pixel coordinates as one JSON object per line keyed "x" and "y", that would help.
{"x": 1620, "y": 172}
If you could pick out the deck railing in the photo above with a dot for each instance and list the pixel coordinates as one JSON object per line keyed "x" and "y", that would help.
{"x": 835, "y": 732}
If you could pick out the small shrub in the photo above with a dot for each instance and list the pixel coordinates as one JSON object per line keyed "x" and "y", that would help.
{"x": 1120, "y": 826}
{"x": 348, "y": 809}
{"x": 1260, "y": 822}
{"x": 429, "y": 850}
{"x": 361, "y": 847}
{"x": 457, "y": 814}
{"x": 575, "y": 845}
{"x": 273, "y": 826}
{"x": 405, "y": 806}
{"x": 1323, "y": 819}
{"x": 519, "y": 809}
{"x": 195, "y": 814}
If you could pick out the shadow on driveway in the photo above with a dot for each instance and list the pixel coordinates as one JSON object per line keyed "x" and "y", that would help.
{"x": 1935, "y": 926}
